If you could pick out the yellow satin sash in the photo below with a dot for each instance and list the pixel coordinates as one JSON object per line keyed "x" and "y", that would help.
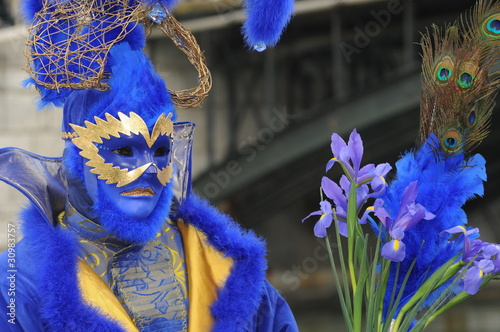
{"x": 98, "y": 295}
{"x": 208, "y": 270}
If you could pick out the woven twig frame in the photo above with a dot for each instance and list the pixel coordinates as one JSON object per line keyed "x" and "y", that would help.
{"x": 186, "y": 42}
{"x": 66, "y": 47}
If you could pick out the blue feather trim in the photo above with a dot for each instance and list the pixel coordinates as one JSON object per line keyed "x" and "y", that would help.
{"x": 239, "y": 299}
{"x": 29, "y": 8}
{"x": 54, "y": 257}
{"x": 54, "y": 254}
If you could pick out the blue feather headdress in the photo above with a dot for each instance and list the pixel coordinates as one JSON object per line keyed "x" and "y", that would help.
{"x": 70, "y": 41}
{"x": 87, "y": 56}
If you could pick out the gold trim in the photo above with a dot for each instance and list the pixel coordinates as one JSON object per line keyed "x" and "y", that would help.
{"x": 68, "y": 136}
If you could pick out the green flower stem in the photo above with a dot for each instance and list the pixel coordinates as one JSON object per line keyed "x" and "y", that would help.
{"x": 352, "y": 222}
{"x": 345, "y": 310}
{"x": 362, "y": 281}
{"x": 456, "y": 300}
{"x": 441, "y": 301}
{"x": 342, "y": 263}
{"x": 372, "y": 296}
{"x": 439, "y": 277}
{"x": 353, "y": 257}
{"x": 395, "y": 303}
{"x": 382, "y": 289}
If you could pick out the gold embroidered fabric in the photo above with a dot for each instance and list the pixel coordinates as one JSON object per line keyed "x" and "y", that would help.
{"x": 149, "y": 282}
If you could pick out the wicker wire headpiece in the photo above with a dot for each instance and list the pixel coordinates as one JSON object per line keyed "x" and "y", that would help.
{"x": 69, "y": 42}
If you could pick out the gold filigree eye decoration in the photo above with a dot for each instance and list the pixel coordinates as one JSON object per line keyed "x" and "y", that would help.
{"x": 86, "y": 138}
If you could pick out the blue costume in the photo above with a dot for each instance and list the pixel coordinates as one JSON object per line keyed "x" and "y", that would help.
{"x": 113, "y": 238}
{"x": 46, "y": 293}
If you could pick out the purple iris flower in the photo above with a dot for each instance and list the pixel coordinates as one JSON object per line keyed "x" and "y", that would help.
{"x": 409, "y": 214}
{"x": 325, "y": 219}
{"x": 470, "y": 249}
{"x": 474, "y": 276}
{"x": 492, "y": 252}
{"x": 349, "y": 156}
{"x": 338, "y": 195}
{"x": 485, "y": 258}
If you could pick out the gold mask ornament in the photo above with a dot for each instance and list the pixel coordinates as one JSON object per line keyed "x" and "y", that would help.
{"x": 86, "y": 138}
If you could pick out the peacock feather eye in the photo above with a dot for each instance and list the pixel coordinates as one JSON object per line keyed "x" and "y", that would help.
{"x": 491, "y": 25}
{"x": 471, "y": 118}
{"x": 468, "y": 72}
{"x": 444, "y": 74}
{"x": 451, "y": 140}
{"x": 444, "y": 70}
{"x": 465, "y": 80}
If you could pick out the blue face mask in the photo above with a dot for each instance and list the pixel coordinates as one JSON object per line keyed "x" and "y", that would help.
{"x": 121, "y": 150}
{"x": 132, "y": 152}
{"x": 138, "y": 198}
{"x": 127, "y": 172}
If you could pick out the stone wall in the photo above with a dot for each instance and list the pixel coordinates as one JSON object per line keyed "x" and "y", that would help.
{"x": 21, "y": 125}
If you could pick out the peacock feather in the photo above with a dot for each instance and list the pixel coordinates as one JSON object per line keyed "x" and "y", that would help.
{"x": 459, "y": 79}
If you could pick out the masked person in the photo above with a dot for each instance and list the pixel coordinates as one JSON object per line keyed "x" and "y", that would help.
{"x": 113, "y": 237}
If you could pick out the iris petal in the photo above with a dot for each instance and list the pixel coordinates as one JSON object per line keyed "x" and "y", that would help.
{"x": 323, "y": 223}
{"x": 330, "y": 164}
{"x": 394, "y": 250}
{"x": 382, "y": 169}
{"x": 355, "y": 146}
{"x": 472, "y": 280}
{"x": 409, "y": 196}
{"x": 326, "y": 207}
{"x": 342, "y": 228}
{"x": 337, "y": 144}
{"x": 333, "y": 191}
{"x": 366, "y": 170}
{"x": 378, "y": 185}
{"x": 315, "y": 213}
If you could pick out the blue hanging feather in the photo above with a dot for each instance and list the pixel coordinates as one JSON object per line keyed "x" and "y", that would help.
{"x": 266, "y": 21}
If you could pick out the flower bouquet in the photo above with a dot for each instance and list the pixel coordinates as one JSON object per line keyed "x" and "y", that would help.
{"x": 423, "y": 259}
{"x": 404, "y": 251}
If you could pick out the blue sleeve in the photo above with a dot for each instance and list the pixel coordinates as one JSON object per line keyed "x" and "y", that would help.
{"x": 274, "y": 314}
{"x": 20, "y": 315}
{"x": 18, "y": 302}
